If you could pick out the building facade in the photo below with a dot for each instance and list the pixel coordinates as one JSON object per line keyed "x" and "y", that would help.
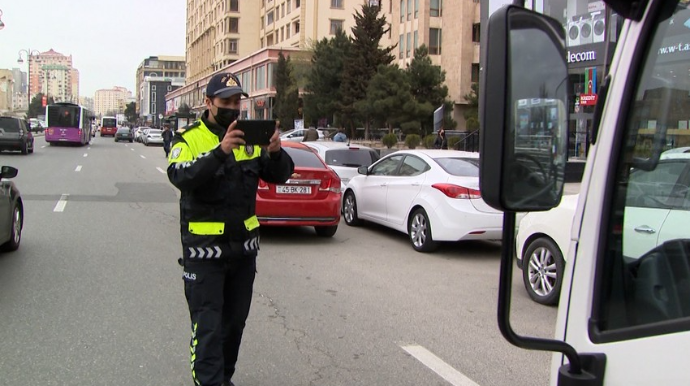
{"x": 110, "y": 100}
{"x": 87, "y": 103}
{"x": 20, "y": 100}
{"x": 6, "y": 91}
{"x": 52, "y": 74}
{"x": 152, "y": 97}
{"x": 158, "y": 66}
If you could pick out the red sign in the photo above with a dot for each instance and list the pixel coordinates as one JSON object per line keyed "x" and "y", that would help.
{"x": 588, "y": 99}
{"x": 44, "y": 101}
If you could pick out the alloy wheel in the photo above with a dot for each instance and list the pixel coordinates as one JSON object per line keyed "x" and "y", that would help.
{"x": 542, "y": 271}
{"x": 418, "y": 230}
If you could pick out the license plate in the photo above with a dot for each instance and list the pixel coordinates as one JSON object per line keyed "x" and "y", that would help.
{"x": 293, "y": 189}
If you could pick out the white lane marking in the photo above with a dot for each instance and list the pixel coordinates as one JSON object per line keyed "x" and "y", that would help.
{"x": 132, "y": 149}
{"x": 160, "y": 170}
{"x": 142, "y": 156}
{"x": 437, "y": 365}
{"x": 78, "y": 169}
{"x": 86, "y": 154}
{"x": 60, "y": 207}
{"x": 43, "y": 147}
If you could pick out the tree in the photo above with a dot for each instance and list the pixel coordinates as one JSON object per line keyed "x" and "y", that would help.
{"x": 184, "y": 109}
{"x": 361, "y": 64}
{"x": 322, "y": 90}
{"x": 287, "y": 93}
{"x": 472, "y": 113}
{"x": 388, "y": 100}
{"x": 36, "y": 106}
{"x": 426, "y": 82}
{"x": 131, "y": 112}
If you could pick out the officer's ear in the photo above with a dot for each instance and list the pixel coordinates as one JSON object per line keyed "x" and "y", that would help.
{"x": 208, "y": 102}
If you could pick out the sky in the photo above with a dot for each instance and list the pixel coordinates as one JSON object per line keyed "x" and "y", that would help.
{"x": 107, "y": 39}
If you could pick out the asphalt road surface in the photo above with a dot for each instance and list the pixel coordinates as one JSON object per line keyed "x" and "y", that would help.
{"x": 94, "y": 295}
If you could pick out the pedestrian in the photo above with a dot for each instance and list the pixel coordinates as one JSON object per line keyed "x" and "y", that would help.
{"x": 167, "y": 138}
{"x": 218, "y": 176}
{"x": 340, "y": 136}
{"x": 311, "y": 135}
{"x": 441, "y": 142}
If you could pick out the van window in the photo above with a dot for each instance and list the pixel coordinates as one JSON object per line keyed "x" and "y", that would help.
{"x": 9, "y": 124}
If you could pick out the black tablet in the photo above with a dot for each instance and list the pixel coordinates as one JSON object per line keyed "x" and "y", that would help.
{"x": 257, "y": 132}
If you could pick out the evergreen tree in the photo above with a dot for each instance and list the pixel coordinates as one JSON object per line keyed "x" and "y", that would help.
{"x": 472, "y": 113}
{"x": 286, "y": 109}
{"x": 362, "y": 62}
{"x": 36, "y": 106}
{"x": 388, "y": 100}
{"x": 323, "y": 82}
{"x": 130, "y": 112}
{"x": 426, "y": 81}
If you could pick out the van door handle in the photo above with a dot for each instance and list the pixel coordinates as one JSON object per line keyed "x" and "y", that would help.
{"x": 645, "y": 229}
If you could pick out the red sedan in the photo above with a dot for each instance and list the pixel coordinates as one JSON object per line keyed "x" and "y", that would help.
{"x": 311, "y": 197}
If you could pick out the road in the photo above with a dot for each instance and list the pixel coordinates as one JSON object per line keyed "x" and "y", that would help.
{"x": 94, "y": 295}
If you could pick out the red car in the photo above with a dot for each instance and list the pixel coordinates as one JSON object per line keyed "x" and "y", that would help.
{"x": 311, "y": 197}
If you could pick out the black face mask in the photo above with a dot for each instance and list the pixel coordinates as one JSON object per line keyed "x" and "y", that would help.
{"x": 226, "y": 116}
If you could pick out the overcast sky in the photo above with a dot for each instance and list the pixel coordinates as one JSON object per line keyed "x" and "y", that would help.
{"x": 107, "y": 39}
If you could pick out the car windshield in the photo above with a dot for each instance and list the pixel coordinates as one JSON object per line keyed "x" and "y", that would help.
{"x": 304, "y": 157}
{"x": 350, "y": 157}
{"x": 462, "y": 167}
{"x": 123, "y": 130}
{"x": 10, "y": 125}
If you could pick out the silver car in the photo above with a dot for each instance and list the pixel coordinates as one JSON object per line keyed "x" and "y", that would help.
{"x": 153, "y": 137}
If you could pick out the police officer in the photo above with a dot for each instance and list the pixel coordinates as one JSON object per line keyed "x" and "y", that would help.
{"x": 218, "y": 175}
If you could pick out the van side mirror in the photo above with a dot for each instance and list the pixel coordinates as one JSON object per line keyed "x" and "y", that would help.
{"x": 363, "y": 170}
{"x": 523, "y": 142}
{"x": 8, "y": 172}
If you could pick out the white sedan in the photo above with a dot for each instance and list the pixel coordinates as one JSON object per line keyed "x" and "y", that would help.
{"x": 656, "y": 209}
{"x": 431, "y": 195}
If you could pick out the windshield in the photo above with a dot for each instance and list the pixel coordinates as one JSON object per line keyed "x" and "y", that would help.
{"x": 63, "y": 116}
{"x": 462, "y": 167}
{"x": 9, "y": 124}
{"x": 350, "y": 157}
{"x": 109, "y": 122}
{"x": 304, "y": 157}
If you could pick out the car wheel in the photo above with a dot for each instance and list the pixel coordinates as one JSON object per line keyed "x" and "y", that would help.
{"x": 350, "y": 209}
{"x": 16, "y": 231}
{"x": 31, "y": 150}
{"x": 419, "y": 231}
{"x": 326, "y": 231}
{"x": 542, "y": 272}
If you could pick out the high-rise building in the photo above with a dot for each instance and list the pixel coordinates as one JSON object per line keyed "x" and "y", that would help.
{"x": 6, "y": 90}
{"x": 52, "y": 74}
{"x": 110, "y": 100}
{"x": 171, "y": 67}
{"x": 87, "y": 103}
{"x": 19, "y": 97}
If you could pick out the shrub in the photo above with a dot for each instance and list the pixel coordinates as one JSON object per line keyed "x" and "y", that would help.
{"x": 429, "y": 141}
{"x": 413, "y": 140}
{"x": 389, "y": 140}
{"x": 452, "y": 141}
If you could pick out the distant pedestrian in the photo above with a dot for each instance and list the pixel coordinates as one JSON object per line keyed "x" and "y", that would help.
{"x": 311, "y": 135}
{"x": 167, "y": 138}
{"x": 340, "y": 136}
{"x": 441, "y": 142}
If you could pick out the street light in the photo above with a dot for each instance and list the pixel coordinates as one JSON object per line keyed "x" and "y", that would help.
{"x": 28, "y": 53}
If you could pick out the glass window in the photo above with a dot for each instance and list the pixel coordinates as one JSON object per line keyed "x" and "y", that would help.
{"x": 401, "y": 45}
{"x": 416, "y": 8}
{"x": 645, "y": 267}
{"x": 475, "y": 32}
{"x": 409, "y": 9}
{"x": 402, "y": 10}
{"x": 416, "y": 39}
{"x": 297, "y": 3}
{"x": 462, "y": 167}
{"x": 288, "y": 5}
{"x": 304, "y": 157}
{"x": 387, "y": 167}
{"x": 269, "y": 18}
{"x": 336, "y": 25}
{"x": 296, "y": 24}
{"x": 234, "y": 25}
{"x": 412, "y": 166}
{"x": 475, "y": 73}
{"x": 336, "y": 3}
{"x": 435, "y": 8}
{"x": 350, "y": 157}
{"x": 435, "y": 41}
{"x": 260, "y": 77}
{"x": 232, "y": 46}
{"x": 409, "y": 45}
{"x": 234, "y": 6}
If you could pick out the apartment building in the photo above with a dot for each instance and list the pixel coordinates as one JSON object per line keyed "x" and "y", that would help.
{"x": 6, "y": 90}
{"x": 170, "y": 67}
{"x": 110, "y": 100}
{"x": 450, "y": 30}
{"x": 51, "y": 73}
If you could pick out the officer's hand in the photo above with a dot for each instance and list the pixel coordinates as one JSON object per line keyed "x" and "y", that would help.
{"x": 232, "y": 139}
{"x": 274, "y": 145}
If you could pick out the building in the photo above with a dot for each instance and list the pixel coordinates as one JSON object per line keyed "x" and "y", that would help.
{"x": 6, "y": 90}
{"x": 152, "y": 97}
{"x": 158, "y": 66}
{"x": 20, "y": 100}
{"x": 416, "y": 22}
{"x": 110, "y": 100}
{"x": 52, "y": 74}
{"x": 220, "y": 40}
{"x": 87, "y": 103}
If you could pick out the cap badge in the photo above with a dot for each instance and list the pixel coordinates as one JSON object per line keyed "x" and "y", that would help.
{"x": 231, "y": 82}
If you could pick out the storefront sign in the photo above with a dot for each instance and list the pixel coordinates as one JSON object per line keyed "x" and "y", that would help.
{"x": 588, "y": 99}
{"x": 577, "y": 57}
{"x": 260, "y": 103}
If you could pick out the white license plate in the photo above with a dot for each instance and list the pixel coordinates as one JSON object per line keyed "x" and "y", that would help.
{"x": 293, "y": 189}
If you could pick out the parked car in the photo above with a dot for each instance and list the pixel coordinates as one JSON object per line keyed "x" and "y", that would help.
{"x": 297, "y": 135}
{"x": 124, "y": 134}
{"x": 15, "y": 135}
{"x": 311, "y": 197}
{"x": 139, "y": 133}
{"x": 11, "y": 211}
{"x": 657, "y": 209}
{"x": 344, "y": 159}
{"x": 152, "y": 137}
{"x": 431, "y": 195}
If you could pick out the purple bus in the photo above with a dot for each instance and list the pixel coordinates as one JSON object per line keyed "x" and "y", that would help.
{"x": 68, "y": 123}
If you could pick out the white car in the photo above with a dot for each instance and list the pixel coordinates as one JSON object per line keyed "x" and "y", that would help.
{"x": 344, "y": 159}
{"x": 656, "y": 209}
{"x": 297, "y": 135}
{"x": 152, "y": 137}
{"x": 431, "y": 195}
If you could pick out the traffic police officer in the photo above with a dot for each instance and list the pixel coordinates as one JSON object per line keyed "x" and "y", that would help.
{"x": 218, "y": 176}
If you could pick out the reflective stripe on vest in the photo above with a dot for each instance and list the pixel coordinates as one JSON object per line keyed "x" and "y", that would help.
{"x": 207, "y": 228}
{"x": 251, "y": 223}
{"x": 247, "y": 153}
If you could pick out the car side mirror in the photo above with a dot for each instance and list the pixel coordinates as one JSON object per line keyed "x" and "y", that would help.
{"x": 363, "y": 170}
{"x": 8, "y": 172}
{"x": 524, "y": 114}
